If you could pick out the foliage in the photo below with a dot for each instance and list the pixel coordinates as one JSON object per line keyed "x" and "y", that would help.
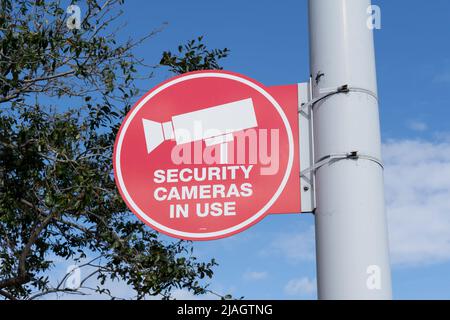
{"x": 193, "y": 56}
{"x": 63, "y": 93}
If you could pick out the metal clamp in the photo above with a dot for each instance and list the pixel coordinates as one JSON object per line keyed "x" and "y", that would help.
{"x": 353, "y": 155}
{"x": 308, "y": 165}
{"x": 342, "y": 89}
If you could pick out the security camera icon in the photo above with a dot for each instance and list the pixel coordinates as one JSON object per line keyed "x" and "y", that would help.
{"x": 217, "y": 125}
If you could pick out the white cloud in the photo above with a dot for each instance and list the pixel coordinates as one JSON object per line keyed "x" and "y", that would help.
{"x": 417, "y": 180}
{"x": 418, "y": 126}
{"x": 296, "y": 247}
{"x": 119, "y": 288}
{"x": 255, "y": 275}
{"x": 443, "y": 77}
{"x": 300, "y": 287}
{"x": 181, "y": 294}
{"x": 443, "y": 136}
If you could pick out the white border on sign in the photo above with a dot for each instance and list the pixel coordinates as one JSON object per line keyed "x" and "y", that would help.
{"x": 243, "y": 224}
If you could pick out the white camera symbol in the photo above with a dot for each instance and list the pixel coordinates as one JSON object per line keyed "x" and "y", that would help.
{"x": 218, "y": 124}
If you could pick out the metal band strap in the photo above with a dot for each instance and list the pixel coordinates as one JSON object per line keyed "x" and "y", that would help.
{"x": 354, "y": 155}
{"x": 342, "y": 89}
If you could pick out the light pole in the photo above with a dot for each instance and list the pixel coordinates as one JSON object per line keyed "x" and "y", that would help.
{"x": 351, "y": 234}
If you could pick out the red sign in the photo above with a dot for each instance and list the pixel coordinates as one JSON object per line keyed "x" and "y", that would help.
{"x": 208, "y": 154}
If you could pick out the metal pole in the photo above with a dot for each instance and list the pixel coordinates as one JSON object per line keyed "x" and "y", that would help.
{"x": 351, "y": 234}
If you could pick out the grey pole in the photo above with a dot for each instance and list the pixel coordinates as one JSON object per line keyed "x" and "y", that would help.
{"x": 351, "y": 233}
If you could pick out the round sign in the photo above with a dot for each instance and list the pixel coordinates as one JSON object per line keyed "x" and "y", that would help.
{"x": 203, "y": 155}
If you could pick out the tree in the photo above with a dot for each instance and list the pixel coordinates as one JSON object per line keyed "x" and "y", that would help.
{"x": 63, "y": 93}
{"x": 193, "y": 56}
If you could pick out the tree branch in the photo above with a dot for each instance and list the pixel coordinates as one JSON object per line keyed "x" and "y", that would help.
{"x": 46, "y": 78}
{"x": 7, "y": 295}
{"x": 22, "y": 275}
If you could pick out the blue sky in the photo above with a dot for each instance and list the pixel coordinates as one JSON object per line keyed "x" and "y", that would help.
{"x": 269, "y": 42}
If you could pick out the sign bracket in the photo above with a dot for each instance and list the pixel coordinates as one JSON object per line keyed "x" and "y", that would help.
{"x": 308, "y": 165}
{"x": 306, "y": 147}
